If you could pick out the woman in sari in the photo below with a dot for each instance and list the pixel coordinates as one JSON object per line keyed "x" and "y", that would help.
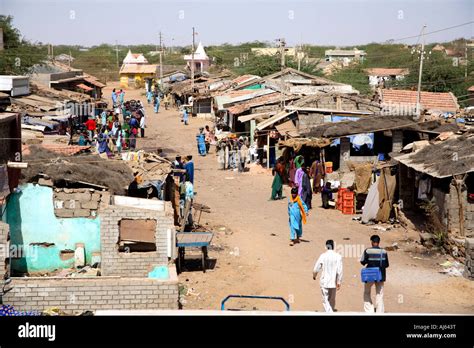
{"x": 297, "y": 212}
{"x": 277, "y": 185}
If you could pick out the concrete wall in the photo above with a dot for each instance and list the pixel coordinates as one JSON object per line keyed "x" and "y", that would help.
{"x": 30, "y": 214}
{"x": 79, "y": 294}
{"x": 134, "y": 264}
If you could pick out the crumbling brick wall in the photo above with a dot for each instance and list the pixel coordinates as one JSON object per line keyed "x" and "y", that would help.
{"x": 4, "y": 248}
{"x": 133, "y": 264}
{"x": 79, "y": 294}
{"x": 79, "y": 202}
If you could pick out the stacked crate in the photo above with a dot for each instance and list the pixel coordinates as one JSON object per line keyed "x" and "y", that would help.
{"x": 340, "y": 194}
{"x": 348, "y": 202}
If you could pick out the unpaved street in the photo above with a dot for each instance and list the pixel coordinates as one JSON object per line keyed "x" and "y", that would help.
{"x": 251, "y": 247}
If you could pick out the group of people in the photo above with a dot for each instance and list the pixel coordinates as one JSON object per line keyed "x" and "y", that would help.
{"x": 111, "y": 133}
{"x": 233, "y": 153}
{"x": 330, "y": 266}
{"x": 205, "y": 138}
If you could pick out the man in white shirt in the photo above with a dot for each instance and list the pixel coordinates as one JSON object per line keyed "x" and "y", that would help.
{"x": 330, "y": 263}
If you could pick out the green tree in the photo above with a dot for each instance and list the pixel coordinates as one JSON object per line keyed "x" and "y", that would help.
{"x": 19, "y": 54}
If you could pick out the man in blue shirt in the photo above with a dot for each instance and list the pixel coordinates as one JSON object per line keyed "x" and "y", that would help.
{"x": 189, "y": 166}
{"x": 374, "y": 256}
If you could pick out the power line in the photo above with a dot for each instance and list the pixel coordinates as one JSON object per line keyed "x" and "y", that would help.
{"x": 434, "y": 31}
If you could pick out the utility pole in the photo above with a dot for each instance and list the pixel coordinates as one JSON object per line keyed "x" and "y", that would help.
{"x": 192, "y": 63}
{"x": 116, "y": 52}
{"x": 422, "y": 56}
{"x": 466, "y": 61}
{"x": 70, "y": 58}
{"x": 161, "y": 59}
{"x": 282, "y": 68}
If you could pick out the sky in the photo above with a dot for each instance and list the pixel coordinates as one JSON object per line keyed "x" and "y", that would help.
{"x": 318, "y": 22}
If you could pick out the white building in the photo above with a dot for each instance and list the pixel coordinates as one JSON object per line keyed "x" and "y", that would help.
{"x": 378, "y": 76}
{"x": 201, "y": 60}
{"x": 346, "y": 56}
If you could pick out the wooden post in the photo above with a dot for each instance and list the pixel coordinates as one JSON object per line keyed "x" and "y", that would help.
{"x": 253, "y": 124}
{"x": 268, "y": 150}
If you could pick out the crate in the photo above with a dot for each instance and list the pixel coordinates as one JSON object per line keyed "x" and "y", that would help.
{"x": 348, "y": 195}
{"x": 348, "y": 210}
{"x": 348, "y": 204}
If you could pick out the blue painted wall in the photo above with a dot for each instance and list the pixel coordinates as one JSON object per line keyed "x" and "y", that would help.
{"x": 30, "y": 214}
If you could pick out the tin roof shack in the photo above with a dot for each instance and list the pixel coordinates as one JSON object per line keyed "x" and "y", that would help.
{"x": 437, "y": 180}
{"x": 366, "y": 138}
{"x": 61, "y": 76}
{"x": 292, "y": 81}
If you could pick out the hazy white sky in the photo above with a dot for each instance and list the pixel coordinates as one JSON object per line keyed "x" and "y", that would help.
{"x": 329, "y": 22}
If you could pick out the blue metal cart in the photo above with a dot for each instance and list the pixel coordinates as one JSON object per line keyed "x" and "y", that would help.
{"x": 192, "y": 240}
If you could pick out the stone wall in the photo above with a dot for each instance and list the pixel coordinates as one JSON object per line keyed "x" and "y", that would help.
{"x": 452, "y": 207}
{"x": 74, "y": 295}
{"x": 310, "y": 120}
{"x": 79, "y": 202}
{"x": 133, "y": 264}
{"x": 469, "y": 265}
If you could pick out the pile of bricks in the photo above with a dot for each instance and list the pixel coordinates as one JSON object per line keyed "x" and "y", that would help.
{"x": 79, "y": 202}
{"x": 469, "y": 266}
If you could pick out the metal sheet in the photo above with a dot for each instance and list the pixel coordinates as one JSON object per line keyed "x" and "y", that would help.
{"x": 138, "y": 230}
{"x": 287, "y": 128}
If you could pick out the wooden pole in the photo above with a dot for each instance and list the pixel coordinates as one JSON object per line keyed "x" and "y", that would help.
{"x": 268, "y": 150}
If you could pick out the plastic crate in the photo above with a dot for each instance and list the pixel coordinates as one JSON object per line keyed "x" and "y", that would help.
{"x": 348, "y": 210}
{"x": 348, "y": 195}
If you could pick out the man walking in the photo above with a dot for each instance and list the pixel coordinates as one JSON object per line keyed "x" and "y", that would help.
{"x": 330, "y": 263}
{"x": 374, "y": 257}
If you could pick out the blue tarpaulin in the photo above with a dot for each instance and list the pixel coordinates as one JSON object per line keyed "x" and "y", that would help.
{"x": 355, "y": 139}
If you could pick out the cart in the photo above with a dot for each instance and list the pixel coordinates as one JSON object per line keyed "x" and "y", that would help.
{"x": 287, "y": 305}
{"x": 192, "y": 240}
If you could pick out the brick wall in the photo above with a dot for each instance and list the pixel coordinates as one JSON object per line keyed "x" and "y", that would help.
{"x": 469, "y": 265}
{"x": 4, "y": 248}
{"x": 133, "y": 264}
{"x": 74, "y": 295}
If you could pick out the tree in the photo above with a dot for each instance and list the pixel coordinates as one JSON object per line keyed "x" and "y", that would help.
{"x": 19, "y": 54}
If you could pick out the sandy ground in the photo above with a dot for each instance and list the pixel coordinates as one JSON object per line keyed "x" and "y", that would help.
{"x": 251, "y": 252}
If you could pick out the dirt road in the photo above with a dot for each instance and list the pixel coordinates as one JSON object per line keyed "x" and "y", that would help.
{"x": 251, "y": 250}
